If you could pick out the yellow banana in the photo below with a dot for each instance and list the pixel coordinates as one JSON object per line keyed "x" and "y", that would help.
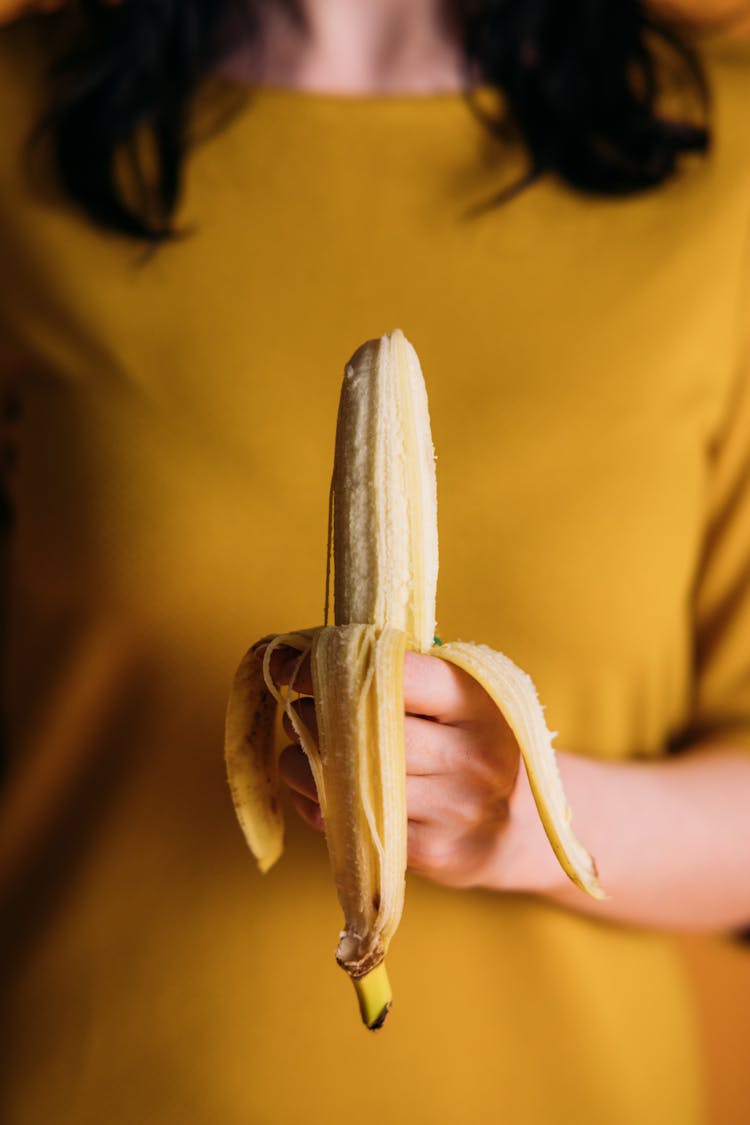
{"x": 384, "y": 551}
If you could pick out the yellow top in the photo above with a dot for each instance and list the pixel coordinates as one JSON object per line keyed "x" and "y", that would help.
{"x": 584, "y": 363}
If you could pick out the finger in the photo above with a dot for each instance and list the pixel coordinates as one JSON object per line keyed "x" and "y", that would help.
{"x": 457, "y": 804}
{"x": 439, "y": 690}
{"x": 429, "y": 853}
{"x": 433, "y": 747}
{"x": 288, "y": 666}
{"x": 309, "y": 811}
{"x": 295, "y": 771}
{"x": 305, "y": 709}
{"x": 451, "y": 859}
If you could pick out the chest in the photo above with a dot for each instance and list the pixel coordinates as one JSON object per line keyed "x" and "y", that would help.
{"x": 179, "y": 418}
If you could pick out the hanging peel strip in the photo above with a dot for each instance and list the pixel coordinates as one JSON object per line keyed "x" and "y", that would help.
{"x": 385, "y": 560}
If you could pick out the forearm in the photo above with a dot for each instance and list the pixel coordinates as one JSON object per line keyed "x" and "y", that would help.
{"x": 671, "y": 839}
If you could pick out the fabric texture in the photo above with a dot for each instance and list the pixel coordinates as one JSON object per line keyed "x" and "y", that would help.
{"x": 586, "y": 366}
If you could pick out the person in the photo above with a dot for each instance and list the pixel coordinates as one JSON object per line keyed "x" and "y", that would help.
{"x": 568, "y": 254}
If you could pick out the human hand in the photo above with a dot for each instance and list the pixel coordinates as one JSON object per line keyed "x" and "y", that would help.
{"x": 461, "y": 760}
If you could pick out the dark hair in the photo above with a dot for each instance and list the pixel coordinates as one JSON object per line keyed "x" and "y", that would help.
{"x": 581, "y": 79}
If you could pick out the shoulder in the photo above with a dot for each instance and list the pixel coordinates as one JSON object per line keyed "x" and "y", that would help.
{"x": 726, "y": 64}
{"x": 727, "y": 68}
{"x": 715, "y": 187}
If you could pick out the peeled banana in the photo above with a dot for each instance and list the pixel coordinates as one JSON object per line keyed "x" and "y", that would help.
{"x": 383, "y": 551}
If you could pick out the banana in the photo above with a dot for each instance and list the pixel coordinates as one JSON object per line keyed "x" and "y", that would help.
{"x": 383, "y": 551}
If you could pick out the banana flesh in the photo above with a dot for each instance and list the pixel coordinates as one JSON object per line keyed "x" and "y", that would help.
{"x": 384, "y": 492}
{"x": 384, "y": 554}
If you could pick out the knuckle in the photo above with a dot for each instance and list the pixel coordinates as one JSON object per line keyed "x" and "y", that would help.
{"x": 430, "y": 853}
{"x": 492, "y": 770}
{"x": 480, "y": 805}
{"x": 486, "y": 760}
{"x": 469, "y": 810}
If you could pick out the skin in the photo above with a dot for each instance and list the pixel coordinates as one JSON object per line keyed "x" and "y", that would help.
{"x": 353, "y": 47}
{"x": 473, "y": 823}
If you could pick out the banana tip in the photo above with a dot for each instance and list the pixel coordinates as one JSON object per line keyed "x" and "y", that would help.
{"x": 374, "y": 996}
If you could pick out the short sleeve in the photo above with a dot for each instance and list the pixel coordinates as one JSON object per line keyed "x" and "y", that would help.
{"x": 721, "y": 685}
